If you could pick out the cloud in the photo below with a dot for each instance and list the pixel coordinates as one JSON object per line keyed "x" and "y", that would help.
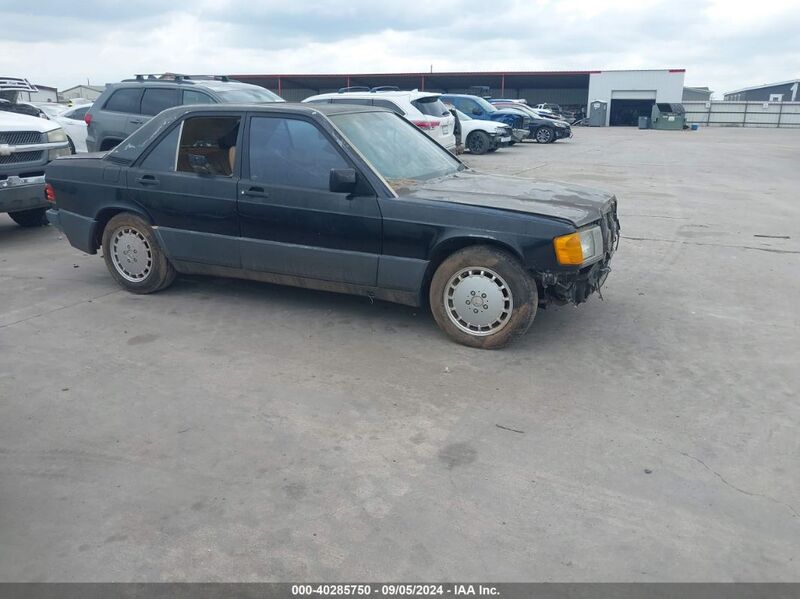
{"x": 720, "y": 43}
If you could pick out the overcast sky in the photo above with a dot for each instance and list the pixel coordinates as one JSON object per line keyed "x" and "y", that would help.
{"x": 722, "y": 44}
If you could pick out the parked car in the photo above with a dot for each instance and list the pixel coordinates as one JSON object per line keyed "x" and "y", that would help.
{"x": 543, "y": 129}
{"x": 423, "y": 109}
{"x": 483, "y": 136}
{"x": 308, "y": 195}
{"x": 556, "y": 110}
{"x": 27, "y": 144}
{"x": 71, "y": 120}
{"x": 478, "y": 108}
{"x": 124, "y": 107}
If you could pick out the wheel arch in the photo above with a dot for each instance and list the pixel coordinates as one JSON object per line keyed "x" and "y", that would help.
{"x": 109, "y": 212}
{"x": 447, "y": 247}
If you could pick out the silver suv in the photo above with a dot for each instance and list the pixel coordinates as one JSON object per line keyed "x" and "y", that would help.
{"x": 124, "y": 107}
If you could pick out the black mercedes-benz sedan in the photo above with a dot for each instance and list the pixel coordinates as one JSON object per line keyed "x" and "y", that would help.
{"x": 351, "y": 199}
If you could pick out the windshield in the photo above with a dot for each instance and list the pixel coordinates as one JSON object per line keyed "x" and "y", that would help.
{"x": 247, "y": 95}
{"x": 53, "y": 110}
{"x": 395, "y": 148}
{"x": 485, "y": 105}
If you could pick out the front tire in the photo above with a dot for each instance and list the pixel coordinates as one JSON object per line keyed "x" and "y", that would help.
{"x": 36, "y": 217}
{"x": 482, "y": 297}
{"x": 544, "y": 135}
{"x": 133, "y": 256}
{"x": 478, "y": 142}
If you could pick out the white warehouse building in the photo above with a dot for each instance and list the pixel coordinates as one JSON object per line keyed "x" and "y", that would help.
{"x": 631, "y": 94}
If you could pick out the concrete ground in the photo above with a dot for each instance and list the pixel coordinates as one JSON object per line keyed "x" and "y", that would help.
{"x": 228, "y": 430}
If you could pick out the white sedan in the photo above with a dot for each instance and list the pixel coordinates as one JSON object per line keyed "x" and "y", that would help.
{"x": 71, "y": 120}
{"x": 483, "y": 136}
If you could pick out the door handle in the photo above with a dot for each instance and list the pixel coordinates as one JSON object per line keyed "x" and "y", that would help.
{"x": 256, "y": 192}
{"x": 147, "y": 180}
{"x": 136, "y": 121}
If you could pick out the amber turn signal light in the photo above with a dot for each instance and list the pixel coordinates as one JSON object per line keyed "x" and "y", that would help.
{"x": 568, "y": 249}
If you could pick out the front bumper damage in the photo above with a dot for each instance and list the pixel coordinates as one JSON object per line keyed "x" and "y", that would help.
{"x": 575, "y": 287}
{"x": 572, "y": 287}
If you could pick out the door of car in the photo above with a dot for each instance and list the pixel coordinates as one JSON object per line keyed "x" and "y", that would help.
{"x": 291, "y": 223}
{"x": 187, "y": 183}
{"x": 122, "y": 107}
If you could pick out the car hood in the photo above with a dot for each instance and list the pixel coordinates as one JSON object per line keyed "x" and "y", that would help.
{"x": 12, "y": 121}
{"x": 574, "y": 203}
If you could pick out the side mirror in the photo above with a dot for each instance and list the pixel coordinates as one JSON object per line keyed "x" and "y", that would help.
{"x": 477, "y": 111}
{"x": 199, "y": 164}
{"x": 342, "y": 180}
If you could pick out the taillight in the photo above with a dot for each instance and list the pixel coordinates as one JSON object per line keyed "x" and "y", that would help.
{"x": 49, "y": 193}
{"x": 426, "y": 125}
{"x": 87, "y": 118}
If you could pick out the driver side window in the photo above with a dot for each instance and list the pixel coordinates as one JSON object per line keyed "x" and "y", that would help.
{"x": 291, "y": 152}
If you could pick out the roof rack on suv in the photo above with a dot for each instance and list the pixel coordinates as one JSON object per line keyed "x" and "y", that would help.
{"x": 353, "y": 88}
{"x": 385, "y": 88}
{"x": 178, "y": 78}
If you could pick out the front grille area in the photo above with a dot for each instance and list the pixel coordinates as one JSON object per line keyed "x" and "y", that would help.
{"x": 20, "y": 157}
{"x": 18, "y": 138}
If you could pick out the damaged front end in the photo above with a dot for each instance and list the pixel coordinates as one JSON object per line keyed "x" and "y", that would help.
{"x": 575, "y": 287}
{"x": 571, "y": 287}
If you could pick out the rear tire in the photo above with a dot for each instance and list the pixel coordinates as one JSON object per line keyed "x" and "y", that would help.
{"x": 481, "y": 296}
{"x": 544, "y": 135}
{"x": 133, "y": 256}
{"x": 36, "y": 217}
{"x": 71, "y": 145}
{"x": 478, "y": 142}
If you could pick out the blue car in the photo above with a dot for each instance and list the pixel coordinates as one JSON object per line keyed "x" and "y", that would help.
{"x": 478, "y": 108}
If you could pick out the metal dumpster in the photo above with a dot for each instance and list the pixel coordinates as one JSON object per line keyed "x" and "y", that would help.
{"x": 668, "y": 116}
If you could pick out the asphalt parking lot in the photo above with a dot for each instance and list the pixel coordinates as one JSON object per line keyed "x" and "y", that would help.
{"x": 230, "y": 430}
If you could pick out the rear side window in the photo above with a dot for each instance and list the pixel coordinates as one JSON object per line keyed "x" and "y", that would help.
{"x": 387, "y": 104}
{"x": 163, "y": 157}
{"x": 157, "y": 99}
{"x": 78, "y": 114}
{"x": 210, "y": 140}
{"x": 191, "y": 96}
{"x": 291, "y": 152}
{"x": 431, "y": 106}
{"x": 125, "y": 100}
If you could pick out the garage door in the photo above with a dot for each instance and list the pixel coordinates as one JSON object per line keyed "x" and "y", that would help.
{"x": 627, "y": 112}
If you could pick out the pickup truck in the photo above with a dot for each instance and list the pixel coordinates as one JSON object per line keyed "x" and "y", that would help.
{"x": 27, "y": 145}
{"x": 308, "y": 195}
